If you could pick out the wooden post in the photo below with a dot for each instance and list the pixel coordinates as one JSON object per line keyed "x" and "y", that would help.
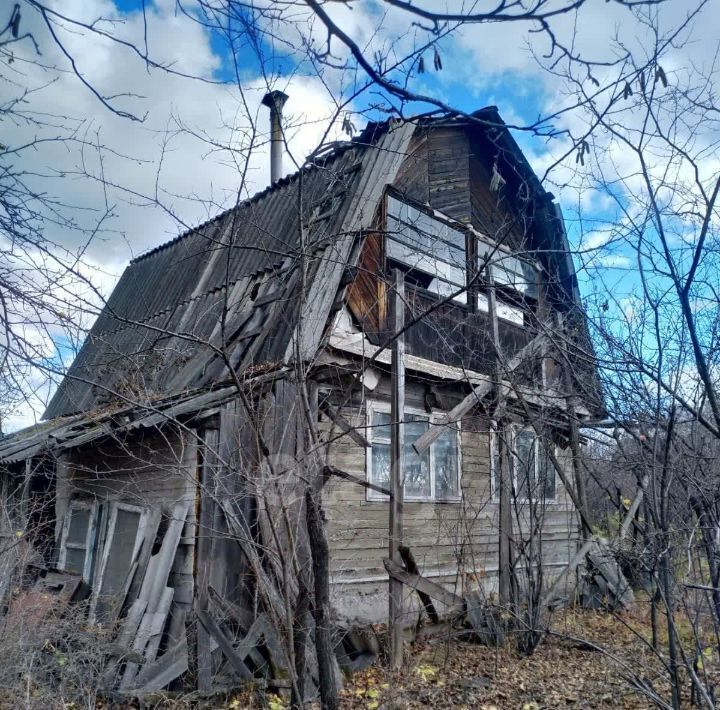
{"x": 503, "y": 455}
{"x": 205, "y": 505}
{"x": 571, "y": 406}
{"x": 397, "y": 468}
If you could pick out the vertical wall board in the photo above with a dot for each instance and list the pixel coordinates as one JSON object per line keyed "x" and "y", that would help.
{"x": 62, "y": 493}
{"x": 204, "y": 562}
{"x": 412, "y": 177}
{"x": 449, "y": 173}
{"x": 205, "y": 527}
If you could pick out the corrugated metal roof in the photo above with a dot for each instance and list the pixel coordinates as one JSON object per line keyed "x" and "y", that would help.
{"x": 235, "y": 281}
{"x": 68, "y": 432}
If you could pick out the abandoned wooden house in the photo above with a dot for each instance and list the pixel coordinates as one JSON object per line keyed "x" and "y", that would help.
{"x": 402, "y": 309}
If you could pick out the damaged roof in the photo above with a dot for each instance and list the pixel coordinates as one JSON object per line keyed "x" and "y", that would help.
{"x": 226, "y": 295}
{"x": 235, "y": 280}
{"x": 78, "y": 429}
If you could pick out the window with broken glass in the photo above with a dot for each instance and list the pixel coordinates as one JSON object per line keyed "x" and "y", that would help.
{"x": 433, "y": 255}
{"x": 78, "y": 539}
{"x": 428, "y": 250}
{"x": 515, "y": 278}
{"x": 433, "y": 475}
{"x": 101, "y": 541}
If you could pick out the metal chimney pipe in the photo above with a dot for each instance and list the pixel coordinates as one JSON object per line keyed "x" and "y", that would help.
{"x": 275, "y": 100}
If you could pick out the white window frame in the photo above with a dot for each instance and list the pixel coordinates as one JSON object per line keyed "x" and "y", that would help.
{"x": 90, "y": 536}
{"x": 431, "y": 264}
{"x": 432, "y": 417}
{"x": 495, "y": 494}
{"x": 115, "y": 506}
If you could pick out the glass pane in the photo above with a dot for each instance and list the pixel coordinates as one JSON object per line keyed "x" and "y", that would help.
{"x": 381, "y": 465}
{"x": 509, "y": 313}
{"x": 509, "y": 270}
{"x": 380, "y": 427}
{"x": 445, "y": 263}
{"x": 524, "y": 463}
{"x": 417, "y": 467}
{"x": 74, "y": 560}
{"x": 446, "y": 465}
{"x": 79, "y": 523}
{"x": 120, "y": 555}
{"x": 424, "y": 224}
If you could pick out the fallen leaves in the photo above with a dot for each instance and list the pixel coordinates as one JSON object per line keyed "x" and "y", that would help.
{"x": 561, "y": 673}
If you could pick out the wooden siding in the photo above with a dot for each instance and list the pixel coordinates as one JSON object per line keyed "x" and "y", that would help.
{"x": 449, "y": 173}
{"x": 495, "y": 214}
{"x": 412, "y": 177}
{"x": 366, "y": 294}
{"x": 455, "y": 542}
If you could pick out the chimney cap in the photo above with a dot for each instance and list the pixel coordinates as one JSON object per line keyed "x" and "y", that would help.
{"x": 275, "y": 99}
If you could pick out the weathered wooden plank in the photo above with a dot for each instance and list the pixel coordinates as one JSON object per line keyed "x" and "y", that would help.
{"x": 158, "y": 674}
{"x": 212, "y": 627}
{"x": 344, "y": 424}
{"x": 397, "y": 467}
{"x": 203, "y": 553}
{"x": 417, "y": 582}
{"x": 155, "y": 593}
{"x": 412, "y": 568}
{"x": 571, "y": 567}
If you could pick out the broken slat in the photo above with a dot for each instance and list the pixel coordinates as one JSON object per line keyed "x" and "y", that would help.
{"x": 158, "y": 674}
{"x": 245, "y": 647}
{"x": 243, "y": 617}
{"x": 132, "y": 622}
{"x": 424, "y": 441}
{"x": 411, "y": 566}
{"x": 156, "y": 623}
{"x": 417, "y": 582}
{"x": 630, "y": 514}
{"x": 155, "y": 592}
{"x": 332, "y": 471}
{"x": 212, "y": 627}
{"x": 152, "y": 524}
{"x": 344, "y": 425}
{"x": 148, "y": 636}
{"x": 272, "y": 643}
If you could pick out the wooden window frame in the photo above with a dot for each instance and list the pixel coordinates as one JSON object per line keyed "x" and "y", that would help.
{"x": 90, "y": 537}
{"x": 463, "y": 299}
{"x": 376, "y": 497}
{"x": 114, "y": 507}
{"x": 512, "y": 303}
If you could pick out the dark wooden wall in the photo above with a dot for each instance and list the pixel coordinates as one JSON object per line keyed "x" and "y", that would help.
{"x": 449, "y": 168}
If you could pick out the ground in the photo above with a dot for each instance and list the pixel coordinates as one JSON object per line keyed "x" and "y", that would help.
{"x": 563, "y": 671}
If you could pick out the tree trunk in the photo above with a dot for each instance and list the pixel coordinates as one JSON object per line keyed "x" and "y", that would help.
{"x": 321, "y": 607}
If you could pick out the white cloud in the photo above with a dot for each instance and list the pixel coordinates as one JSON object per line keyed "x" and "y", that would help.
{"x": 138, "y": 182}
